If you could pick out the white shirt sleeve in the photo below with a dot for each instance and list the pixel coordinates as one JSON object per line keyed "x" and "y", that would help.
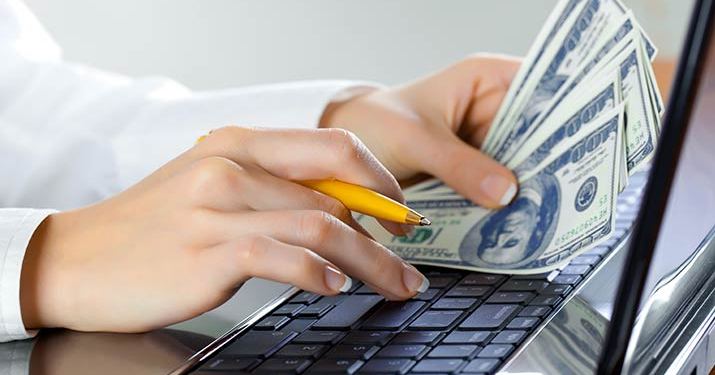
{"x": 71, "y": 135}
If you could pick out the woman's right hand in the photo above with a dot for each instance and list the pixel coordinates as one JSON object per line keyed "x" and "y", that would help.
{"x": 181, "y": 242}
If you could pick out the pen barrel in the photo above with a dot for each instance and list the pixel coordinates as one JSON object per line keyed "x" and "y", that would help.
{"x": 359, "y": 199}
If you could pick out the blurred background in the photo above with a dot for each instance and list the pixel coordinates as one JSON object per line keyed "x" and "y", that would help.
{"x": 225, "y": 43}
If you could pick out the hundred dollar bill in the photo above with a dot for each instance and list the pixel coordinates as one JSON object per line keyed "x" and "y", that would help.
{"x": 563, "y": 208}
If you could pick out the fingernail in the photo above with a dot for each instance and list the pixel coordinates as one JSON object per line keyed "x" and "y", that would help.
{"x": 337, "y": 280}
{"x": 499, "y": 188}
{"x": 407, "y": 229}
{"x": 414, "y": 280}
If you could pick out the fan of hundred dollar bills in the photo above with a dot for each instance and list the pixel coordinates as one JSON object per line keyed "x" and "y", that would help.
{"x": 582, "y": 114}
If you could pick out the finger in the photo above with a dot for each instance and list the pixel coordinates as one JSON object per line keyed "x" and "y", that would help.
{"x": 305, "y": 154}
{"x": 335, "y": 241}
{"x": 260, "y": 256}
{"x": 467, "y": 170}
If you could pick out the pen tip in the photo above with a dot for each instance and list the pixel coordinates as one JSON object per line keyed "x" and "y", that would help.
{"x": 425, "y": 221}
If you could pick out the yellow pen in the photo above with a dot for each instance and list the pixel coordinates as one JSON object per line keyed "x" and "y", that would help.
{"x": 363, "y": 200}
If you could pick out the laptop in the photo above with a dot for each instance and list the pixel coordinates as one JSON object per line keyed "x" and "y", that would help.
{"x": 608, "y": 311}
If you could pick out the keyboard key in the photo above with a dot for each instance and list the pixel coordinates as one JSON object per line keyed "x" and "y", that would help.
{"x": 446, "y": 303}
{"x": 453, "y": 351}
{"x": 438, "y": 366}
{"x": 509, "y": 337}
{"x": 439, "y": 281}
{"x": 318, "y": 337}
{"x": 482, "y": 365}
{"x": 368, "y": 337}
{"x": 538, "y": 311}
{"x": 345, "y": 315}
{"x": 546, "y": 276}
{"x": 272, "y": 323}
{"x": 599, "y": 251}
{"x": 567, "y": 279}
{"x": 467, "y": 337}
{"x": 547, "y": 300}
{"x": 510, "y": 297}
{"x": 231, "y": 364}
{"x": 403, "y": 351}
{"x": 393, "y": 315}
{"x": 356, "y": 285}
{"x": 315, "y": 310}
{"x": 576, "y": 269}
{"x": 489, "y": 317}
{"x": 495, "y": 351}
{"x": 390, "y": 366}
{"x": 481, "y": 279}
{"x": 523, "y": 286}
{"x": 258, "y": 344}
{"x": 523, "y": 323}
{"x": 299, "y": 325}
{"x": 428, "y": 295}
{"x": 559, "y": 290}
{"x": 336, "y": 366}
{"x": 586, "y": 259}
{"x": 365, "y": 290}
{"x": 283, "y": 366}
{"x": 350, "y": 351}
{"x": 291, "y": 309}
{"x": 418, "y": 337}
{"x": 306, "y": 350}
{"x": 468, "y": 291}
{"x": 436, "y": 319}
{"x": 305, "y": 298}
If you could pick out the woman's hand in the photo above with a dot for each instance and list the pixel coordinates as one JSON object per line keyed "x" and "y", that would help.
{"x": 436, "y": 125}
{"x": 180, "y": 242}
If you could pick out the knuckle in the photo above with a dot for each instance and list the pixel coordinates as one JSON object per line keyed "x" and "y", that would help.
{"x": 383, "y": 267}
{"x": 252, "y": 249}
{"x": 214, "y": 175}
{"x": 346, "y": 145}
{"x": 335, "y": 208}
{"x": 227, "y": 137}
{"x": 317, "y": 226}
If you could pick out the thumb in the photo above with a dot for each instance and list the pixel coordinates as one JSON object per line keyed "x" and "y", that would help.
{"x": 467, "y": 170}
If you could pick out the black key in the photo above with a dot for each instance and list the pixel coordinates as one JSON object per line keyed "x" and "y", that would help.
{"x": 559, "y": 290}
{"x": 283, "y": 366}
{"x": 305, "y": 350}
{"x": 387, "y": 365}
{"x": 467, "y": 337}
{"x": 586, "y": 259}
{"x": 523, "y": 323}
{"x": 356, "y": 285}
{"x": 482, "y": 365}
{"x": 258, "y": 344}
{"x": 546, "y": 276}
{"x": 353, "y": 351}
{"x": 428, "y": 295}
{"x": 231, "y": 364}
{"x": 439, "y": 281}
{"x": 299, "y": 325}
{"x": 418, "y": 337}
{"x": 523, "y": 286}
{"x": 576, "y": 269}
{"x": 291, "y": 309}
{"x": 305, "y": 298}
{"x": 538, "y": 311}
{"x": 336, "y": 366}
{"x": 438, "y": 366}
{"x": 446, "y": 303}
{"x": 495, "y": 351}
{"x": 567, "y": 279}
{"x": 599, "y": 251}
{"x": 436, "y": 319}
{"x": 368, "y": 337}
{"x": 392, "y": 315}
{"x": 403, "y": 351}
{"x": 315, "y": 310}
{"x": 453, "y": 351}
{"x": 345, "y": 315}
{"x": 318, "y": 337}
{"x": 489, "y": 317}
{"x": 509, "y": 337}
{"x": 546, "y": 300}
{"x": 468, "y": 291}
{"x": 365, "y": 290}
{"x": 481, "y": 279}
{"x": 510, "y": 297}
{"x": 272, "y": 323}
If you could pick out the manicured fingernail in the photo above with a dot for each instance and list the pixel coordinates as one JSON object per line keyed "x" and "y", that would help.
{"x": 337, "y": 280}
{"x": 407, "y": 229}
{"x": 414, "y": 280}
{"x": 499, "y": 188}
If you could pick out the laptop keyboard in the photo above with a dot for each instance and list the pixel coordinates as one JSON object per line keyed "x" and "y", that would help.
{"x": 465, "y": 323}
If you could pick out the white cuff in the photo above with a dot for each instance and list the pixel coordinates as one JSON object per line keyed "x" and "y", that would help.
{"x": 16, "y": 229}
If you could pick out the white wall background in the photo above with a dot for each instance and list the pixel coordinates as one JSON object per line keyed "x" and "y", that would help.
{"x": 208, "y": 44}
